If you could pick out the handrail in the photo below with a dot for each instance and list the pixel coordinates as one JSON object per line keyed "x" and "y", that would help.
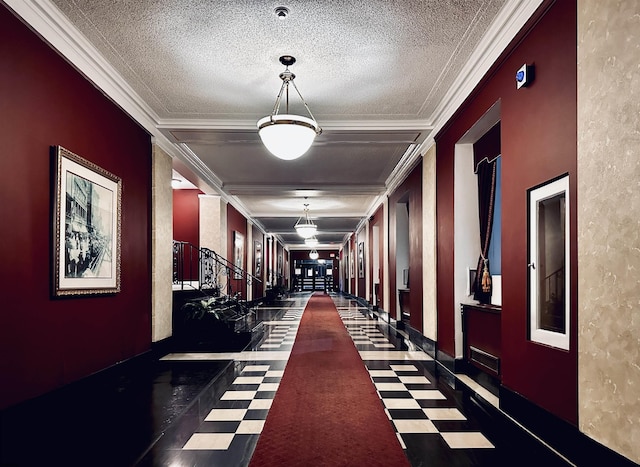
{"x": 204, "y": 266}
{"x": 554, "y": 284}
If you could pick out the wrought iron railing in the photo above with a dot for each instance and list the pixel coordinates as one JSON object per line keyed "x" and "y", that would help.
{"x": 203, "y": 269}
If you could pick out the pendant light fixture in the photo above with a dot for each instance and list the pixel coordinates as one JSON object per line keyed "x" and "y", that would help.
{"x": 305, "y": 226}
{"x": 288, "y": 136}
{"x": 311, "y": 242}
{"x": 313, "y": 254}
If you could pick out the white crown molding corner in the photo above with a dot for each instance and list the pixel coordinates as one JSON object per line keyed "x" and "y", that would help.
{"x": 401, "y": 171}
{"x": 47, "y": 21}
{"x": 504, "y": 28}
{"x": 214, "y": 182}
{"x": 376, "y": 203}
{"x": 163, "y": 143}
{"x": 188, "y": 156}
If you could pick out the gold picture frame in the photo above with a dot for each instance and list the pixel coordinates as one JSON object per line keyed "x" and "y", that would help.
{"x": 87, "y": 218}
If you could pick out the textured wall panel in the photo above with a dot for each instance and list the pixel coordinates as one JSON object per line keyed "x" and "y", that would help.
{"x": 429, "y": 263}
{"x": 161, "y": 245}
{"x": 609, "y": 223}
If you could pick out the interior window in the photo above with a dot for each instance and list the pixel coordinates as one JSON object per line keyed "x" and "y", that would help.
{"x": 548, "y": 263}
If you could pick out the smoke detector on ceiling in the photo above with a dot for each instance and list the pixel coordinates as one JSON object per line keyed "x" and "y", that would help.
{"x": 282, "y": 12}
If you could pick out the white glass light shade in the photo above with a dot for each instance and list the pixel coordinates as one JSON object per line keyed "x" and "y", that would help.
{"x": 287, "y": 136}
{"x": 311, "y": 242}
{"x": 313, "y": 254}
{"x": 306, "y": 230}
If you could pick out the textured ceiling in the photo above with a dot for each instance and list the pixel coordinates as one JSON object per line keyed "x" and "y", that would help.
{"x": 374, "y": 73}
{"x": 219, "y": 59}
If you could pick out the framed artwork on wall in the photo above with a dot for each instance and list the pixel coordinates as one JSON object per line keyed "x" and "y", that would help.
{"x": 257, "y": 256}
{"x": 361, "y": 260}
{"x": 87, "y": 205}
{"x": 238, "y": 254}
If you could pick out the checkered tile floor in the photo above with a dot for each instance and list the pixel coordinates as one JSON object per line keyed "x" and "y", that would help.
{"x": 415, "y": 406}
{"x": 280, "y": 337}
{"x": 410, "y": 397}
{"x": 241, "y": 411}
{"x": 422, "y": 415}
{"x": 366, "y": 334}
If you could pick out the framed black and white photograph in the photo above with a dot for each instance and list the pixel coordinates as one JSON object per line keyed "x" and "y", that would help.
{"x": 86, "y": 231}
{"x": 238, "y": 254}
{"x": 361, "y": 260}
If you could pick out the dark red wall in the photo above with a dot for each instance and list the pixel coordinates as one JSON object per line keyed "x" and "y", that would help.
{"x": 538, "y": 140}
{"x": 186, "y": 227}
{"x": 412, "y": 186}
{"x": 186, "y": 216}
{"x": 238, "y": 223}
{"x": 46, "y": 343}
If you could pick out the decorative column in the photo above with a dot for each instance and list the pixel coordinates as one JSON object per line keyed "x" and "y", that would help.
{"x": 429, "y": 284}
{"x": 212, "y": 235}
{"x": 608, "y": 226}
{"x": 161, "y": 245}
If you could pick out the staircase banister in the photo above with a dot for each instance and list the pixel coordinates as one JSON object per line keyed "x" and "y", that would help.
{"x": 221, "y": 260}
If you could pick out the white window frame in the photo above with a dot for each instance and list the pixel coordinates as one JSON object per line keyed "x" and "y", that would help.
{"x": 536, "y": 195}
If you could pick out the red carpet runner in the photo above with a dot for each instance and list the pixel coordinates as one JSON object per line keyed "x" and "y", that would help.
{"x": 326, "y": 411}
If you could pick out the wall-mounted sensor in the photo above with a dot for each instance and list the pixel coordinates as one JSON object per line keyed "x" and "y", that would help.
{"x": 524, "y": 76}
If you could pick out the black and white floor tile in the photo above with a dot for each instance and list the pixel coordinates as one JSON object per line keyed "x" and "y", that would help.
{"x": 430, "y": 423}
{"x": 280, "y": 336}
{"x": 237, "y": 418}
{"x": 415, "y": 406}
{"x": 410, "y": 396}
{"x": 241, "y": 411}
{"x": 210, "y": 408}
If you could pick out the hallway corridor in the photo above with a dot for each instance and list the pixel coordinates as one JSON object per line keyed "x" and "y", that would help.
{"x": 209, "y": 408}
